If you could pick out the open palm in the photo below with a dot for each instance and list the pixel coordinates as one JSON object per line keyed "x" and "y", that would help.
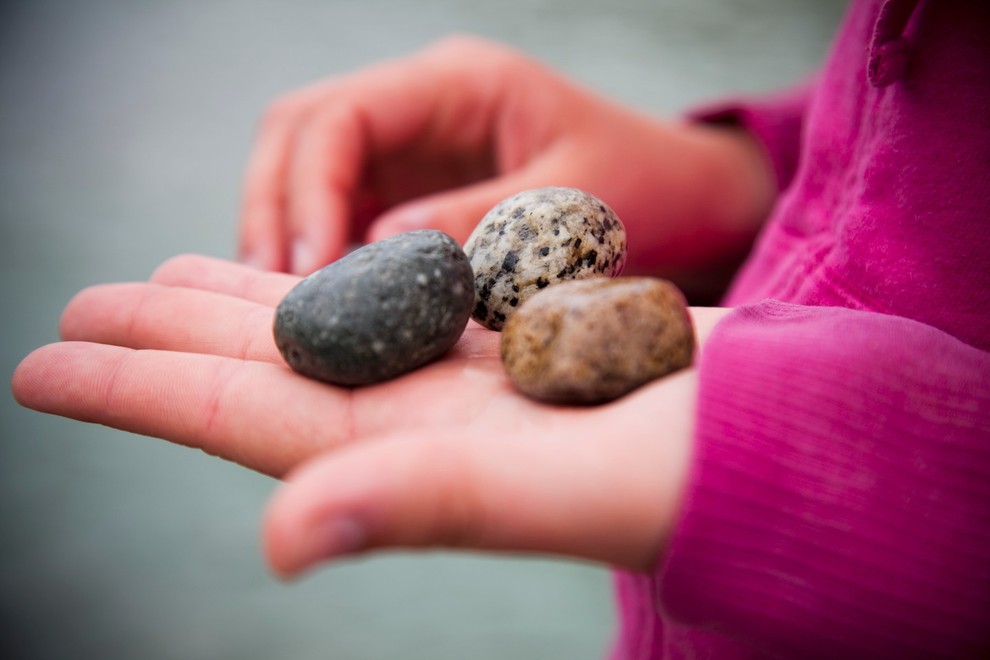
{"x": 448, "y": 455}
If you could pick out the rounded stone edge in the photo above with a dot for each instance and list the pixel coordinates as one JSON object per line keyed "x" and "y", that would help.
{"x": 540, "y": 390}
{"x": 579, "y": 195}
{"x": 284, "y": 348}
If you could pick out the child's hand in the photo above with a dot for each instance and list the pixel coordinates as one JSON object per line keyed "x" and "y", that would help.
{"x": 435, "y": 140}
{"x": 448, "y": 455}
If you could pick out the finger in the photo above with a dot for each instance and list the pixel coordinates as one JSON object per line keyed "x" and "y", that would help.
{"x": 455, "y": 493}
{"x": 227, "y": 277}
{"x": 457, "y": 212}
{"x": 374, "y": 112}
{"x": 427, "y": 100}
{"x": 171, "y": 318}
{"x": 257, "y": 414}
{"x": 324, "y": 172}
{"x": 262, "y": 241}
{"x": 151, "y": 316}
{"x": 564, "y": 489}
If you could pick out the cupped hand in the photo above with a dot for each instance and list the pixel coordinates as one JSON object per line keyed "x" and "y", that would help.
{"x": 449, "y": 455}
{"x": 436, "y": 139}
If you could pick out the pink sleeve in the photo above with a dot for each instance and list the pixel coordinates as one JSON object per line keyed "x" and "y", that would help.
{"x": 776, "y": 122}
{"x": 840, "y": 495}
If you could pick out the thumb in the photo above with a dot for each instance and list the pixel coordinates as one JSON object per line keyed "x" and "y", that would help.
{"x": 458, "y": 211}
{"x": 497, "y": 494}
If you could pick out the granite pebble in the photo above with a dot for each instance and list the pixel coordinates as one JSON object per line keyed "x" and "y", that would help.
{"x": 536, "y": 239}
{"x": 381, "y": 311}
{"x": 592, "y": 341}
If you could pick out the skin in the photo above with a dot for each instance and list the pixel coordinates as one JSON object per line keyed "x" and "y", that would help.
{"x": 449, "y": 455}
{"x": 438, "y": 138}
{"x": 388, "y": 465}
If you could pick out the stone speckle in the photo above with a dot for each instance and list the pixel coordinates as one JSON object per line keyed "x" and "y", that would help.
{"x": 385, "y": 309}
{"x": 592, "y": 341}
{"x": 536, "y": 239}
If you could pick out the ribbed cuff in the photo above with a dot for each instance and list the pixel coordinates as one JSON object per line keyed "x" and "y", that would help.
{"x": 840, "y": 494}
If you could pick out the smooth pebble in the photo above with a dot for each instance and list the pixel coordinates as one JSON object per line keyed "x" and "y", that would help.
{"x": 592, "y": 341}
{"x": 536, "y": 239}
{"x": 381, "y": 311}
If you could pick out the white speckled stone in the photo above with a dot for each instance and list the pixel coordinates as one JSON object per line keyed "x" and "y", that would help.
{"x": 536, "y": 239}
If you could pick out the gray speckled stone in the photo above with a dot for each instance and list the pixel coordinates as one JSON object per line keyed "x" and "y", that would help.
{"x": 536, "y": 239}
{"x": 594, "y": 340}
{"x": 385, "y": 309}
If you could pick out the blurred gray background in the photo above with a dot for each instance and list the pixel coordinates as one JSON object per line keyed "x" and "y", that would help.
{"x": 124, "y": 129}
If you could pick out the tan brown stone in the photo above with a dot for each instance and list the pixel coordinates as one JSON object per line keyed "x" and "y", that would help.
{"x": 592, "y": 341}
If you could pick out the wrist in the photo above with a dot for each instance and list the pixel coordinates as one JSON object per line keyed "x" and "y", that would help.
{"x": 699, "y": 196}
{"x": 736, "y": 185}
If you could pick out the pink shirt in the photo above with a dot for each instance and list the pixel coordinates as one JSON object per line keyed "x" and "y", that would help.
{"x": 839, "y": 500}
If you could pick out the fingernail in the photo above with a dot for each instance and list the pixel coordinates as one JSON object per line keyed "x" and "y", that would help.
{"x": 303, "y": 260}
{"x": 330, "y": 539}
